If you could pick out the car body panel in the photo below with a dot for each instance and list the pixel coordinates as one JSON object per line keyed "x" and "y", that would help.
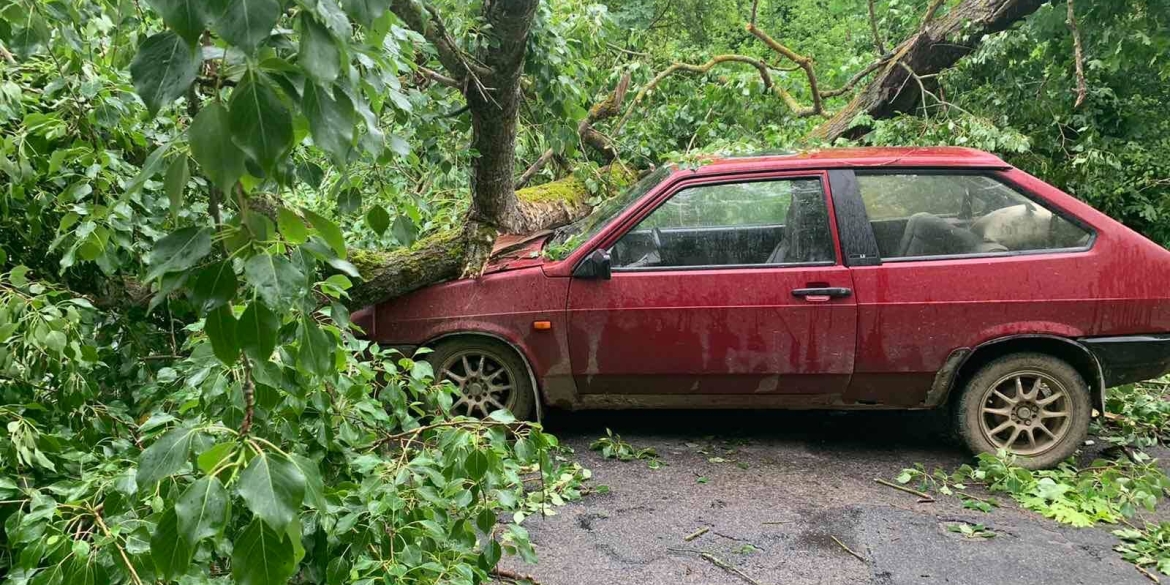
{"x": 711, "y": 331}
{"x": 726, "y": 336}
{"x": 736, "y": 331}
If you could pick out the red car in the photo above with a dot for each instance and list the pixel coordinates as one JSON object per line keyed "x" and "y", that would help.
{"x": 890, "y": 278}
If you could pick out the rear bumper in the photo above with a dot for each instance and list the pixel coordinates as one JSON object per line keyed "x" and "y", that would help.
{"x": 1131, "y": 358}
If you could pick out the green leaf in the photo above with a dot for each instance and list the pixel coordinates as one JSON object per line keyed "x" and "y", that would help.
{"x": 168, "y": 548}
{"x": 333, "y": 17}
{"x": 404, "y": 230}
{"x": 291, "y": 226}
{"x": 215, "y": 286}
{"x": 275, "y": 279}
{"x": 364, "y": 11}
{"x": 315, "y": 354}
{"x": 337, "y": 571}
{"x": 330, "y": 122}
{"x": 202, "y": 510}
{"x": 273, "y": 488}
{"x": 328, "y": 231}
{"x": 176, "y": 183}
{"x": 56, "y": 341}
{"x": 257, "y": 331}
{"x": 17, "y": 276}
{"x": 260, "y": 556}
{"x": 491, "y": 554}
{"x": 314, "y": 486}
{"x": 317, "y": 247}
{"x": 378, "y": 219}
{"x": 476, "y": 464}
{"x": 211, "y": 458}
{"x": 163, "y": 69}
{"x": 486, "y": 520}
{"x": 212, "y": 147}
{"x": 221, "y": 330}
{"x": 186, "y": 17}
{"x": 349, "y": 201}
{"x": 179, "y": 251}
{"x": 319, "y": 55}
{"x": 166, "y": 456}
{"x": 149, "y": 169}
{"x": 244, "y": 23}
{"x": 261, "y": 126}
{"x": 30, "y": 37}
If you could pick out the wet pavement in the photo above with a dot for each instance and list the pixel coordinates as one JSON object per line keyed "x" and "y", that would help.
{"x": 776, "y": 492}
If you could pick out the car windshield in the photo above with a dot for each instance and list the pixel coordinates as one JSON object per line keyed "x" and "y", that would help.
{"x": 569, "y": 237}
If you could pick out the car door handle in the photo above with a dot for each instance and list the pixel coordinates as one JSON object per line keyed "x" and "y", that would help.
{"x": 821, "y": 295}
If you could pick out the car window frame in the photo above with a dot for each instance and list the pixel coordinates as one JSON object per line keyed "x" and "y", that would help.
{"x": 630, "y": 223}
{"x": 993, "y": 174}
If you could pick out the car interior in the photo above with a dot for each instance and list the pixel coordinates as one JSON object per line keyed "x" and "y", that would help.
{"x": 989, "y": 219}
{"x": 911, "y": 215}
{"x": 803, "y": 237}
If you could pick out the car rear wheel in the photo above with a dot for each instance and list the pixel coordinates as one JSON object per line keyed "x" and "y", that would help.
{"x": 1030, "y": 404}
{"x": 489, "y": 375}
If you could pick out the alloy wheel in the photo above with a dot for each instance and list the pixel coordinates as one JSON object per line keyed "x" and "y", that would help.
{"x": 485, "y": 384}
{"x": 1026, "y": 412}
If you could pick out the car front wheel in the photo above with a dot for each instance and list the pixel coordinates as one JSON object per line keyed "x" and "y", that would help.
{"x": 1033, "y": 405}
{"x": 488, "y": 374}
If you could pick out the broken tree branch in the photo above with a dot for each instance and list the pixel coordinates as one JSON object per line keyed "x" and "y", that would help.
{"x": 697, "y": 69}
{"x": 805, "y": 63}
{"x": 1079, "y": 56}
{"x": 853, "y": 81}
{"x": 589, "y": 135}
{"x": 425, "y": 21}
{"x": 939, "y": 42}
{"x": 440, "y": 78}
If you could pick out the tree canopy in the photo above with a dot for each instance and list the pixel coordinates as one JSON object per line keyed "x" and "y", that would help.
{"x": 196, "y": 193}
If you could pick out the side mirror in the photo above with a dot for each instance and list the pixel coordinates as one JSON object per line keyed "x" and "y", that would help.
{"x": 595, "y": 265}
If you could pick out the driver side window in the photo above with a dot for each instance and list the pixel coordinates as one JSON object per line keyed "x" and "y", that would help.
{"x": 783, "y": 221}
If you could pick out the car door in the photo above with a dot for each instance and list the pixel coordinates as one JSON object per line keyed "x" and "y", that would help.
{"x": 723, "y": 286}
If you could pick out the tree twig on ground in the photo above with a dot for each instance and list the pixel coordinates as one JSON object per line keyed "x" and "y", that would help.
{"x": 848, "y": 550}
{"x": 697, "y": 533}
{"x": 714, "y": 560}
{"x": 922, "y": 495}
{"x": 514, "y": 576}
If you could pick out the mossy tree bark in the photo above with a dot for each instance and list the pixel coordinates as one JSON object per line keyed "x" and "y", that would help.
{"x": 442, "y": 256}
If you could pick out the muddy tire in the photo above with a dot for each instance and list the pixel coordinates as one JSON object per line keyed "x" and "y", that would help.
{"x": 1034, "y": 405}
{"x": 489, "y": 375}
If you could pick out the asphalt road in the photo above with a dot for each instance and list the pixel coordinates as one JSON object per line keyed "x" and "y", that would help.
{"x": 789, "y": 483}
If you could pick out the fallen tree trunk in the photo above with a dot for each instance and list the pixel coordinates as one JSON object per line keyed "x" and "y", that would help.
{"x": 898, "y": 86}
{"x": 443, "y": 255}
{"x": 938, "y": 45}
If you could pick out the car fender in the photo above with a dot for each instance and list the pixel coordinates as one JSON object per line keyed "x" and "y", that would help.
{"x": 946, "y": 377}
{"x": 1022, "y": 329}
